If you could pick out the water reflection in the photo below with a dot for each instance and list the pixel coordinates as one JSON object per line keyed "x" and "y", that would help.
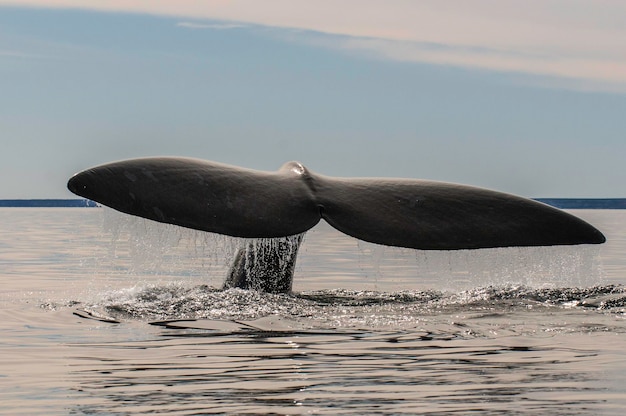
{"x": 352, "y": 372}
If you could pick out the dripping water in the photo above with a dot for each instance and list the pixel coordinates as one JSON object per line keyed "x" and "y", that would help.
{"x": 142, "y": 247}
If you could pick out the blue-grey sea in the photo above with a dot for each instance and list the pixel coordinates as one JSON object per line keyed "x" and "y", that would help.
{"x": 106, "y": 314}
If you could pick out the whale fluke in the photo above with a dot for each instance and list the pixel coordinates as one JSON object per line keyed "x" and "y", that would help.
{"x": 239, "y": 202}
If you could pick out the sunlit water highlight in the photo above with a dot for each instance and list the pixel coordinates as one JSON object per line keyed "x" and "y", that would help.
{"x": 128, "y": 318}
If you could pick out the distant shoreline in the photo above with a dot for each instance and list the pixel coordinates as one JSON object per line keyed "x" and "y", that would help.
{"x": 585, "y": 203}
{"x": 563, "y": 203}
{"x": 47, "y": 203}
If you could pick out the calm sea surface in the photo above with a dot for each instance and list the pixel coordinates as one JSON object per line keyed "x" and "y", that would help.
{"x": 102, "y": 313}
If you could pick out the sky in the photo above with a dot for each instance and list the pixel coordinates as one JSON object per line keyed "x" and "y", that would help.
{"x": 521, "y": 96}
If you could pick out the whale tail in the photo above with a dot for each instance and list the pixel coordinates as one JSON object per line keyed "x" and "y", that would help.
{"x": 416, "y": 214}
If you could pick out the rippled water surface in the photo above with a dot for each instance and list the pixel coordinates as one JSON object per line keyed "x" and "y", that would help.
{"x": 105, "y": 314}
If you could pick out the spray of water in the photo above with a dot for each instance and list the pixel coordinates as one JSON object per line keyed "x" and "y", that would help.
{"x": 555, "y": 266}
{"x": 141, "y": 247}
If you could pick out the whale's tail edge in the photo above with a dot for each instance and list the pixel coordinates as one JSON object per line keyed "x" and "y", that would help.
{"x": 417, "y": 214}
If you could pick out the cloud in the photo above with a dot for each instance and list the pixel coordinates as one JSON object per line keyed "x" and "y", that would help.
{"x": 581, "y": 42}
{"x": 18, "y": 55}
{"x": 214, "y": 26}
{"x": 570, "y": 66}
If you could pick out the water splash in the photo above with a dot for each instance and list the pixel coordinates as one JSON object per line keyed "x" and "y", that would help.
{"x": 266, "y": 264}
{"x": 338, "y": 308}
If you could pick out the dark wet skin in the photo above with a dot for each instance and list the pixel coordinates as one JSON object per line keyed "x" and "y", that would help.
{"x": 239, "y": 202}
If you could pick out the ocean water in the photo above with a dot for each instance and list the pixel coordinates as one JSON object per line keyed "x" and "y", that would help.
{"x": 102, "y": 313}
